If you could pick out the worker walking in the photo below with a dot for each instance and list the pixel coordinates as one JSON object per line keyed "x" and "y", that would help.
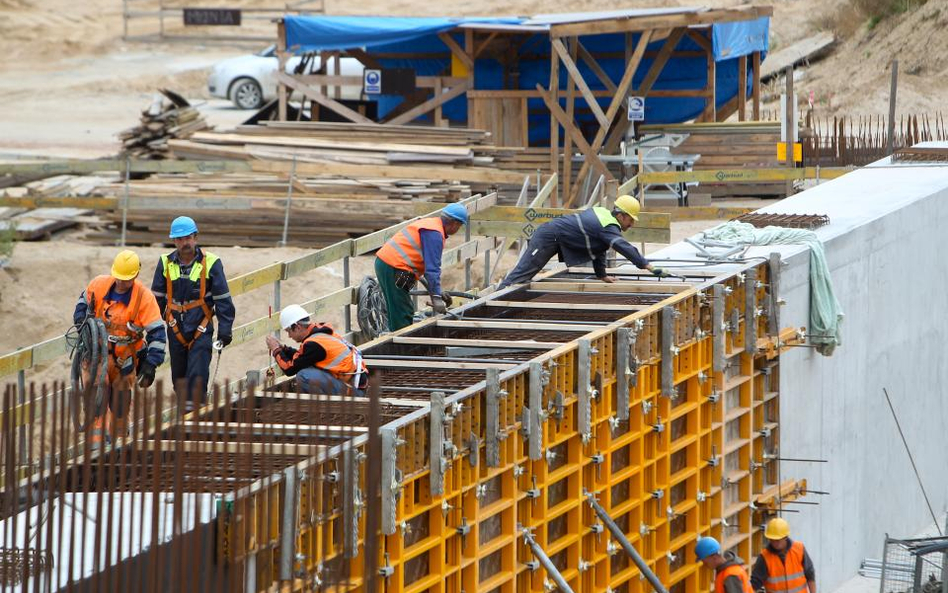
{"x": 191, "y": 289}
{"x": 783, "y": 566}
{"x": 136, "y": 340}
{"x": 414, "y": 254}
{"x": 729, "y": 573}
{"x": 325, "y": 363}
{"x": 580, "y": 238}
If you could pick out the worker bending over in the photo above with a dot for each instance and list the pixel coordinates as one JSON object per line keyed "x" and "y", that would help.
{"x": 783, "y": 566}
{"x": 413, "y": 254}
{"x": 580, "y": 238}
{"x": 191, "y": 289}
{"x": 729, "y": 573}
{"x": 136, "y": 340}
{"x": 325, "y": 362}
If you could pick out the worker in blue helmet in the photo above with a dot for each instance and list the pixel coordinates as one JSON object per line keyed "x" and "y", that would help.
{"x": 414, "y": 254}
{"x": 191, "y": 289}
{"x": 729, "y": 573}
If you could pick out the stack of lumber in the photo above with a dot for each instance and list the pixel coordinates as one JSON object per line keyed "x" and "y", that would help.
{"x": 160, "y": 122}
{"x": 730, "y": 145}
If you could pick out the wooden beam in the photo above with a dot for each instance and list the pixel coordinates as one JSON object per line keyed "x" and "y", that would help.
{"x": 619, "y": 287}
{"x": 327, "y": 102}
{"x": 513, "y": 344}
{"x": 577, "y": 78}
{"x": 572, "y": 306}
{"x": 701, "y": 40}
{"x": 570, "y": 115}
{"x": 367, "y": 60}
{"x": 456, "y": 50}
{"x": 483, "y": 46}
{"x": 428, "y": 105}
{"x": 558, "y": 116}
{"x": 622, "y": 90}
{"x": 515, "y": 325}
{"x": 587, "y": 57}
{"x": 755, "y": 80}
{"x": 421, "y": 363}
{"x": 554, "y": 124}
{"x": 742, "y": 88}
{"x": 668, "y": 21}
{"x": 282, "y": 95}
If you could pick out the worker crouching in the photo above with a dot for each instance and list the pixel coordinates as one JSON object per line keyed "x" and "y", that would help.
{"x": 325, "y": 363}
{"x": 136, "y": 340}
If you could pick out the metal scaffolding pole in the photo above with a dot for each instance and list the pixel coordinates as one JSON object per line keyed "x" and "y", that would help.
{"x": 546, "y": 562}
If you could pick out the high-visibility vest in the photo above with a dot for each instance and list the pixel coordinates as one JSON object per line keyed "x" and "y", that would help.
{"x": 787, "y": 575}
{"x": 605, "y": 216}
{"x": 126, "y": 324}
{"x": 403, "y": 250}
{"x": 200, "y": 270}
{"x": 734, "y": 570}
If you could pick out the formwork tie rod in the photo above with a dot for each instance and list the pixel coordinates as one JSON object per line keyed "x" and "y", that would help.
{"x": 626, "y": 544}
{"x": 546, "y": 562}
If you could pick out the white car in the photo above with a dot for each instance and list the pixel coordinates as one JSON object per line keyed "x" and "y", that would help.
{"x": 250, "y": 81}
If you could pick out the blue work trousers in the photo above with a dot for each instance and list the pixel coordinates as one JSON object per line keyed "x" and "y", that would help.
{"x": 316, "y": 380}
{"x": 191, "y": 369}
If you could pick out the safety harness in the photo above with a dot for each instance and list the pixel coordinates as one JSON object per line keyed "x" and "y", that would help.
{"x": 184, "y": 307}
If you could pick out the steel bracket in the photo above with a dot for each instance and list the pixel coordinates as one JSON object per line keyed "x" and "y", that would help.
{"x": 557, "y": 405}
{"x": 492, "y": 454}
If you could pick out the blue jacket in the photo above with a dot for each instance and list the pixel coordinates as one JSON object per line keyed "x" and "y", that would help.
{"x": 587, "y": 236}
{"x": 188, "y": 288}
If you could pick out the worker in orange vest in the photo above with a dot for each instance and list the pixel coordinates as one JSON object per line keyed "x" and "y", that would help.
{"x": 136, "y": 339}
{"x": 783, "y": 566}
{"x": 413, "y": 254}
{"x": 729, "y": 573}
{"x": 325, "y": 363}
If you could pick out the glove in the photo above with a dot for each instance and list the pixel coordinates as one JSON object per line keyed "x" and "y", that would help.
{"x": 226, "y": 339}
{"x": 437, "y": 304}
{"x": 146, "y": 376}
{"x": 660, "y": 273}
{"x": 448, "y": 301}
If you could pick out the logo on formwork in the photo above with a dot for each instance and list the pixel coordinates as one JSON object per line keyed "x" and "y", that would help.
{"x": 528, "y": 230}
{"x": 531, "y": 215}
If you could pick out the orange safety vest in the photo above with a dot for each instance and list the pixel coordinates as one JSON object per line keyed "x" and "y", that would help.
{"x": 343, "y": 360}
{"x": 126, "y": 324}
{"x": 787, "y": 575}
{"x": 734, "y": 570}
{"x": 403, "y": 250}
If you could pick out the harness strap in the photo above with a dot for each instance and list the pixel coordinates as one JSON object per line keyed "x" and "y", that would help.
{"x": 173, "y": 307}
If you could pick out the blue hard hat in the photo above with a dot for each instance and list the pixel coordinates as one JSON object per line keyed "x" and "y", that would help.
{"x": 456, "y": 211}
{"x": 707, "y": 546}
{"x": 182, "y": 226}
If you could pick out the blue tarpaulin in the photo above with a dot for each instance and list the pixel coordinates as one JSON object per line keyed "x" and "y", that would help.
{"x": 419, "y": 36}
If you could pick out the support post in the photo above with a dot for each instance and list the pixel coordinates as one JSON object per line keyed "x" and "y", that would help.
{"x": 345, "y": 284}
{"x": 668, "y": 351}
{"x": 351, "y": 502}
{"x": 755, "y": 80}
{"x": 492, "y": 430}
{"x": 389, "y": 485}
{"x": 717, "y": 328}
{"x": 282, "y": 97}
{"x": 750, "y": 311}
{"x": 625, "y": 543}
{"x": 535, "y": 436}
{"x": 623, "y": 372}
{"x": 788, "y": 118}
{"x": 291, "y": 503}
{"x": 773, "y": 320}
{"x": 551, "y": 569}
{"x": 289, "y": 200}
{"x": 467, "y": 261}
{"x": 436, "y": 458}
{"x": 276, "y": 305}
{"x": 742, "y": 88}
{"x": 584, "y": 390}
{"x": 890, "y": 140}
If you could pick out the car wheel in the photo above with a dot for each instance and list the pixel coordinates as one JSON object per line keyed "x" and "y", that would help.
{"x": 246, "y": 93}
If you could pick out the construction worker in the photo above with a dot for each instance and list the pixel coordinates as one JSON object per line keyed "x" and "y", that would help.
{"x": 414, "y": 254}
{"x": 783, "y": 566}
{"x": 580, "y": 238}
{"x": 729, "y": 573}
{"x": 191, "y": 289}
{"x": 136, "y": 340}
{"x": 325, "y": 362}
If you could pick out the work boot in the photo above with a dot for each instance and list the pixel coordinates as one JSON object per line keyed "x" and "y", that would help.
{"x": 97, "y": 433}
{"x": 118, "y": 427}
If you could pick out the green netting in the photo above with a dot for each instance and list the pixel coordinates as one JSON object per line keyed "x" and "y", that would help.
{"x": 825, "y": 312}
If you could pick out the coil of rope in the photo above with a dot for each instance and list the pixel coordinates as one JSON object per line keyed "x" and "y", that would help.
{"x": 90, "y": 350}
{"x": 372, "y": 312}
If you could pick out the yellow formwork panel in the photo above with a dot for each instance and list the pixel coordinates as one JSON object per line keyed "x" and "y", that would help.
{"x": 687, "y": 462}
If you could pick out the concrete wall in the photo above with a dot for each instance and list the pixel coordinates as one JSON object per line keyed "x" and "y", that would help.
{"x": 886, "y": 254}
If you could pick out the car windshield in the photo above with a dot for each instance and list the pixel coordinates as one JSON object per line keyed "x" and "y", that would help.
{"x": 269, "y": 52}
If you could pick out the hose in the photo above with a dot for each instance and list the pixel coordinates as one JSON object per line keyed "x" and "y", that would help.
{"x": 372, "y": 312}
{"x": 90, "y": 349}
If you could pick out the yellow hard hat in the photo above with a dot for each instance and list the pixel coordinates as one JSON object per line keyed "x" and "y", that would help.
{"x": 126, "y": 265}
{"x": 777, "y": 528}
{"x": 629, "y": 205}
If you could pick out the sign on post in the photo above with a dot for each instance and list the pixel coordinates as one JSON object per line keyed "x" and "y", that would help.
{"x": 372, "y": 82}
{"x": 636, "y": 109}
{"x": 212, "y": 17}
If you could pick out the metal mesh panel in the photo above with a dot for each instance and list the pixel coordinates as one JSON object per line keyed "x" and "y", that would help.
{"x": 911, "y": 566}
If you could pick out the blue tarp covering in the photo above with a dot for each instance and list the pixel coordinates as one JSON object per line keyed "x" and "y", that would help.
{"x": 315, "y": 33}
{"x": 389, "y": 35}
{"x": 741, "y": 38}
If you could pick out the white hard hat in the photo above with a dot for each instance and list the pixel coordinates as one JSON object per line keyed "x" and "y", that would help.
{"x": 291, "y": 314}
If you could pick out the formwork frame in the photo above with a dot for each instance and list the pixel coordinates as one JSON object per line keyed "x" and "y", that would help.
{"x": 693, "y": 452}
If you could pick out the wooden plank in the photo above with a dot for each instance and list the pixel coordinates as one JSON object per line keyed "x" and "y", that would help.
{"x": 564, "y": 120}
{"x": 315, "y": 142}
{"x": 596, "y": 68}
{"x": 421, "y": 363}
{"x": 456, "y": 50}
{"x": 515, "y": 325}
{"x": 620, "y": 287}
{"x": 84, "y": 167}
{"x": 573, "y": 306}
{"x": 742, "y": 88}
{"x": 430, "y": 104}
{"x": 647, "y": 23}
{"x": 319, "y": 258}
{"x": 806, "y": 49}
{"x": 741, "y": 175}
{"x": 755, "y": 79}
{"x": 513, "y": 344}
{"x": 244, "y": 283}
{"x": 428, "y": 172}
{"x": 327, "y": 102}
{"x": 16, "y": 361}
{"x": 577, "y": 78}
{"x": 85, "y": 203}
